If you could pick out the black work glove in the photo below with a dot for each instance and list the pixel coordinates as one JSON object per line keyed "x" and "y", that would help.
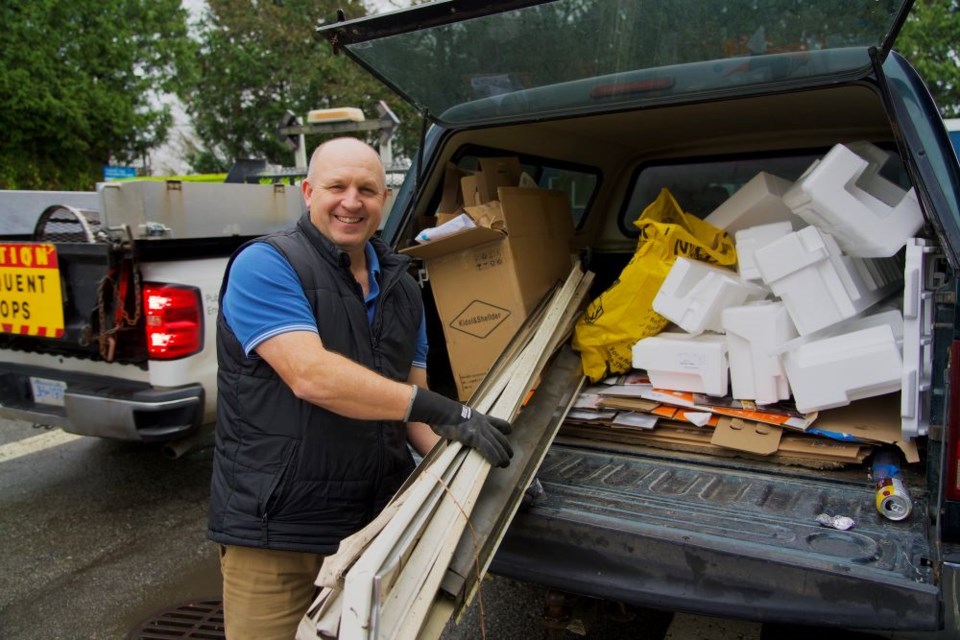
{"x": 455, "y": 421}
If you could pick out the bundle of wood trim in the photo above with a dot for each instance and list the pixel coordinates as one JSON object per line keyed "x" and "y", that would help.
{"x": 383, "y": 582}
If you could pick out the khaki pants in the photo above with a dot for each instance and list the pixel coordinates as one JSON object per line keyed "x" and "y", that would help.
{"x": 266, "y": 592}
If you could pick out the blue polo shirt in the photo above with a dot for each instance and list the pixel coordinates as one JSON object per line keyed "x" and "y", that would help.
{"x": 264, "y": 299}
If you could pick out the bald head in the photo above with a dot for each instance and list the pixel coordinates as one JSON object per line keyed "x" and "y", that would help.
{"x": 345, "y": 191}
{"x": 339, "y": 150}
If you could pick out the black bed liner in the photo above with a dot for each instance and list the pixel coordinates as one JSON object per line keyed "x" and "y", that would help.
{"x": 734, "y": 540}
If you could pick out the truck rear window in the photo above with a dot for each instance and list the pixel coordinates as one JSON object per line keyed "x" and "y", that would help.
{"x": 703, "y": 184}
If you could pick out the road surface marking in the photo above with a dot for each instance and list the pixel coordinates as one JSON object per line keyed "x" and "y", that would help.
{"x": 36, "y": 443}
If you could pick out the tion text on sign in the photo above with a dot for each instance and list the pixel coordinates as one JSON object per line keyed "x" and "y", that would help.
{"x": 30, "y": 299}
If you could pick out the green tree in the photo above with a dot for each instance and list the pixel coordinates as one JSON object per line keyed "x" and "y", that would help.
{"x": 259, "y": 59}
{"x": 80, "y": 86}
{"x": 930, "y": 40}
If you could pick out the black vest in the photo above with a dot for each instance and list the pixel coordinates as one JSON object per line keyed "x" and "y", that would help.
{"x": 288, "y": 474}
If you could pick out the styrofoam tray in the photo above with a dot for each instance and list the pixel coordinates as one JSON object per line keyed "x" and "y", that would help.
{"x": 694, "y": 294}
{"x": 749, "y": 240}
{"x": 754, "y": 332}
{"x": 819, "y": 285}
{"x": 685, "y": 362}
{"x": 833, "y": 372}
{"x": 845, "y": 195}
{"x": 757, "y": 202}
{"x": 918, "y": 316}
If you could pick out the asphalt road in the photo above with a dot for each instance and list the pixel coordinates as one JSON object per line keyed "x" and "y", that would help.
{"x": 101, "y": 537}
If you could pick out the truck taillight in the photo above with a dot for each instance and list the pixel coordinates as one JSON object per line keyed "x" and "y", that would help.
{"x": 952, "y": 481}
{"x": 174, "y": 321}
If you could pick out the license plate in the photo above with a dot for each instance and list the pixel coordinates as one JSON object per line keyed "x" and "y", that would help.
{"x": 30, "y": 298}
{"x": 47, "y": 391}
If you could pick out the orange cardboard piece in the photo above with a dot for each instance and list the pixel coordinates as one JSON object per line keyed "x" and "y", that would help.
{"x": 685, "y": 399}
{"x": 665, "y": 411}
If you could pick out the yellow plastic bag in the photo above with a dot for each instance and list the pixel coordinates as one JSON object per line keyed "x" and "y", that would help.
{"x": 623, "y": 314}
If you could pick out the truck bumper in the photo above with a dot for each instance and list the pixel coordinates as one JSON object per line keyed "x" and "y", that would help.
{"x": 101, "y": 406}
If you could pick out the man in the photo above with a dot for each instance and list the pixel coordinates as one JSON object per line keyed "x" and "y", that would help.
{"x": 321, "y": 348}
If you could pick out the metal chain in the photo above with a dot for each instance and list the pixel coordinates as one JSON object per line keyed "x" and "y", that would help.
{"x": 103, "y": 336}
{"x": 106, "y": 339}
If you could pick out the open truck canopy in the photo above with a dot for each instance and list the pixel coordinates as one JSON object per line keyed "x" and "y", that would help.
{"x": 466, "y": 62}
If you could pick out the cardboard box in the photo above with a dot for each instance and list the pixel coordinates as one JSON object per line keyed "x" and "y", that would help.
{"x": 493, "y": 173}
{"x": 451, "y": 200}
{"x": 487, "y": 280}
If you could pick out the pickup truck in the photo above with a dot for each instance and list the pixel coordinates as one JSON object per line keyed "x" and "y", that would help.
{"x": 612, "y": 102}
{"x": 109, "y": 299}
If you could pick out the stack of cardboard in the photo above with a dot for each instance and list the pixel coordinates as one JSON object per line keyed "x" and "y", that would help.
{"x": 628, "y": 410}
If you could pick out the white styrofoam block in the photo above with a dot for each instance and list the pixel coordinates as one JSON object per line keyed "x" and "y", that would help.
{"x": 833, "y": 372}
{"x": 694, "y": 294}
{"x": 882, "y": 316}
{"x": 917, "y": 385}
{"x": 754, "y": 332}
{"x": 757, "y": 202}
{"x": 685, "y": 362}
{"x": 819, "y": 285}
{"x": 750, "y": 239}
{"x": 845, "y": 195}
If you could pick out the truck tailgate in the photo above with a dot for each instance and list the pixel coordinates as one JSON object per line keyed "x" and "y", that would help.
{"x": 659, "y": 530}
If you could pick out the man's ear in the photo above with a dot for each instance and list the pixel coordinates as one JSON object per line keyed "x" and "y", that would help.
{"x": 307, "y": 191}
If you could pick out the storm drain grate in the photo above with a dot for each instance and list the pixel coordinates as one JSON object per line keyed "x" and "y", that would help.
{"x": 194, "y": 620}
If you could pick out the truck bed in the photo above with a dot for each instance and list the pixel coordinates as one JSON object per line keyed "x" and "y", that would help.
{"x": 626, "y": 522}
{"x": 723, "y": 533}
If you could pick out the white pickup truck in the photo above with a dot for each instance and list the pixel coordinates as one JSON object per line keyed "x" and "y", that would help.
{"x": 108, "y": 301}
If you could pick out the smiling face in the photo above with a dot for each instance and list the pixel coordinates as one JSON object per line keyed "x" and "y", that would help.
{"x": 345, "y": 190}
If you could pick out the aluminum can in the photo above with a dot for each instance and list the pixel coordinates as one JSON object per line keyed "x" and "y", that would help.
{"x": 893, "y": 499}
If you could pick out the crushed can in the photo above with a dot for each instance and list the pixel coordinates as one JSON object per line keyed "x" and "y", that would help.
{"x": 893, "y": 499}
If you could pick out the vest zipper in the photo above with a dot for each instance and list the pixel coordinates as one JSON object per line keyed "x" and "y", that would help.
{"x": 377, "y": 327}
{"x": 375, "y": 330}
